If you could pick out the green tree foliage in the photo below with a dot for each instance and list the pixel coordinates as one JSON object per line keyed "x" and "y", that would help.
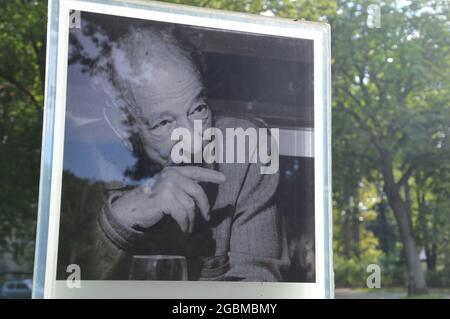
{"x": 355, "y": 246}
{"x": 22, "y": 68}
{"x": 391, "y": 86}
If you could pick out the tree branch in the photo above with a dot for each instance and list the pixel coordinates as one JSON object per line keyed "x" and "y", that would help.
{"x": 366, "y": 98}
{"x": 23, "y": 89}
{"x": 405, "y": 177}
{"x": 40, "y": 57}
{"x": 372, "y": 136}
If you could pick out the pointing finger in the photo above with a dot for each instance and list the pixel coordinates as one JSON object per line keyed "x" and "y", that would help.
{"x": 201, "y": 174}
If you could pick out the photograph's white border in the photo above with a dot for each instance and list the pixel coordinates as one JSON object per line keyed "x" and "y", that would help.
{"x": 45, "y": 283}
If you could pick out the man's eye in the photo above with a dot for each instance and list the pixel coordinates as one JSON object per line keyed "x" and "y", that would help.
{"x": 161, "y": 124}
{"x": 200, "y": 108}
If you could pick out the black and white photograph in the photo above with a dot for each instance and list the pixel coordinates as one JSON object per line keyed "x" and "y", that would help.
{"x": 179, "y": 154}
{"x": 185, "y": 154}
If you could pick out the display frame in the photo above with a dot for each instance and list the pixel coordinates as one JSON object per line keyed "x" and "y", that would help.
{"x": 45, "y": 283}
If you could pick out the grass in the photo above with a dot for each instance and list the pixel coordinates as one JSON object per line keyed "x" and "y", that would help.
{"x": 429, "y": 296}
{"x": 434, "y": 293}
{"x": 394, "y": 289}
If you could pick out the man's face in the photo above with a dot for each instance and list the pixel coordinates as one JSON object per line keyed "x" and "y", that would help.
{"x": 172, "y": 97}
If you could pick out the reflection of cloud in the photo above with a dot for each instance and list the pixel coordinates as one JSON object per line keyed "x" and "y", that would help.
{"x": 102, "y": 162}
{"x": 85, "y": 105}
{"x": 80, "y": 121}
{"x": 92, "y": 149}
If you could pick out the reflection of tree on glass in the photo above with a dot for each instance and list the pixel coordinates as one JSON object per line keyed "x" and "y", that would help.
{"x": 221, "y": 217}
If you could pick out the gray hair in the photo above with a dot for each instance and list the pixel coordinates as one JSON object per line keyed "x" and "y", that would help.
{"x": 137, "y": 53}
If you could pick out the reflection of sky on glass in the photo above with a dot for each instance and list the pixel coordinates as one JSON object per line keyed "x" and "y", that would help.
{"x": 91, "y": 149}
{"x": 291, "y": 170}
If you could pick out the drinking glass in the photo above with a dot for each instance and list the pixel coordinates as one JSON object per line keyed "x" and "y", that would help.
{"x": 158, "y": 267}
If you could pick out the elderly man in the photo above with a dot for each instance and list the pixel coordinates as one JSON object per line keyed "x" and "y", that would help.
{"x": 220, "y": 216}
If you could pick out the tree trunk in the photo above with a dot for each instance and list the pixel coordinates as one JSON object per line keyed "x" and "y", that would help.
{"x": 416, "y": 278}
{"x": 431, "y": 253}
{"x": 427, "y": 238}
{"x": 356, "y": 231}
{"x": 346, "y": 232}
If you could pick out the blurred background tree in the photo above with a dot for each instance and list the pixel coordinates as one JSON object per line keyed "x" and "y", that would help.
{"x": 391, "y": 85}
{"x": 391, "y": 131}
{"x": 22, "y": 73}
